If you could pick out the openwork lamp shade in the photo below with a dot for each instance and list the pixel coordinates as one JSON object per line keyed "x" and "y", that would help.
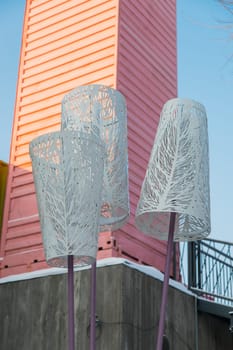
{"x": 101, "y": 111}
{"x": 177, "y": 178}
{"x": 68, "y": 175}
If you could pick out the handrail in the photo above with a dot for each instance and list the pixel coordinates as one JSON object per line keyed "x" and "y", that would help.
{"x": 217, "y": 241}
{"x": 210, "y": 269}
{"x": 219, "y": 296}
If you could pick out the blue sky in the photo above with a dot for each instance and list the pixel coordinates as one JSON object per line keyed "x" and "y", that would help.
{"x": 11, "y": 22}
{"x": 205, "y": 73}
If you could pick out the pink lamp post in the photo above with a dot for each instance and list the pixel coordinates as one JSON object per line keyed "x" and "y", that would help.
{"x": 174, "y": 203}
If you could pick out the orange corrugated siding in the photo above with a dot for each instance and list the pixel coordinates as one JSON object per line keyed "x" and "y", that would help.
{"x": 65, "y": 44}
{"x": 126, "y": 44}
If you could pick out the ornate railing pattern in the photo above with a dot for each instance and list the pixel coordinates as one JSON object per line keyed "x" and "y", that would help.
{"x": 207, "y": 269}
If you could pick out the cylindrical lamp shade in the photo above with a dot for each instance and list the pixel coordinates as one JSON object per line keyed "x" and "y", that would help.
{"x": 100, "y": 110}
{"x": 177, "y": 178}
{"x": 68, "y": 175}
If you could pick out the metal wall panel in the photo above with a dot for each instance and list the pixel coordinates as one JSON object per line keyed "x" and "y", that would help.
{"x": 147, "y": 76}
{"x": 65, "y": 44}
{"x": 130, "y": 45}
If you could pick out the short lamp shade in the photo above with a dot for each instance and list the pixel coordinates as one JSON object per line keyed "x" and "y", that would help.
{"x": 177, "y": 178}
{"x": 68, "y": 175}
{"x": 100, "y": 110}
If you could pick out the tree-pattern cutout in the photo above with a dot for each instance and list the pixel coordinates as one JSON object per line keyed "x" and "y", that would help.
{"x": 177, "y": 177}
{"x": 101, "y": 111}
{"x": 68, "y": 174}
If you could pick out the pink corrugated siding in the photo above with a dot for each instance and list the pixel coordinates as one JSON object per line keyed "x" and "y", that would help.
{"x": 126, "y": 44}
{"x": 147, "y": 76}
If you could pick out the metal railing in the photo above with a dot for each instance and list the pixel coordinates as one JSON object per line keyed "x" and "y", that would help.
{"x": 209, "y": 271}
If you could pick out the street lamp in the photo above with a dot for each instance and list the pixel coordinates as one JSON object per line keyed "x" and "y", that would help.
{"x": 68, "y": 175}
{"x": 174, "y": 201}
{"x": 101, "y": 111}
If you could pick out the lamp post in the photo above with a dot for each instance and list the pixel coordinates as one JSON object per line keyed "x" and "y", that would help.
{"x": 174, "y": 202}
{"x": 68, "y": 175}
{"x": 82, "y": 169}
{"x": 231, "y": 321}
{"x": 101, "y": 111}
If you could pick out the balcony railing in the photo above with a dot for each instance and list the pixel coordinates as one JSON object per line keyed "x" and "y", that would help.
{"x": 209, "y": 271}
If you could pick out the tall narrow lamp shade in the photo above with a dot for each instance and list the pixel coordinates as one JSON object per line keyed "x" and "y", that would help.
{"x": 68, "y": 176}
{"x": 100, "y": 110}
{"x": 174, "y": 203}
{"x": 177, "y": 177}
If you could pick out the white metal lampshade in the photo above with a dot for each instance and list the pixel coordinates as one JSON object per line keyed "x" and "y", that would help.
{"x": 68, "y": 175}
{"x": 177, "y": 178}
{"x": 100, "y": 110}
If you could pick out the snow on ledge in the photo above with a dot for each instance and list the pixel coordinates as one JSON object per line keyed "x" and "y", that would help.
{"x": 148, "y": 270}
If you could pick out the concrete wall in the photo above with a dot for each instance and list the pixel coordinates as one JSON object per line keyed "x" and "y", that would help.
{"x": 214, "y": 332}
{"x": 33, "y": 314}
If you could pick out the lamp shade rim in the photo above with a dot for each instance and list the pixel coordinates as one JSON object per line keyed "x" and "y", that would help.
{"x": 159, "y": 212}
{"x": 62, "y": 260}
{"x": 184, "y": 101}
{"x": 97, "y": 86}
{"x": 113, "y": 223}
{"x": 58, "y": 134}
{"x": 160, "y": 231}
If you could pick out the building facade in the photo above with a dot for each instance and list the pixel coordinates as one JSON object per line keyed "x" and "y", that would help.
{"x": 125, "y": 44}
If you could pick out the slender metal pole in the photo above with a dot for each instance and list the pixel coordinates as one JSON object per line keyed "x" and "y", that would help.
{"x": 71, "y": 302}
{"x": 166, "y": 282}
{"x": 174, "y": 261}
{"x": 93, "y": 307}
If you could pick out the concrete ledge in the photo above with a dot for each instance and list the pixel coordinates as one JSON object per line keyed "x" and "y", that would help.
{"x": 34, "y": 315}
